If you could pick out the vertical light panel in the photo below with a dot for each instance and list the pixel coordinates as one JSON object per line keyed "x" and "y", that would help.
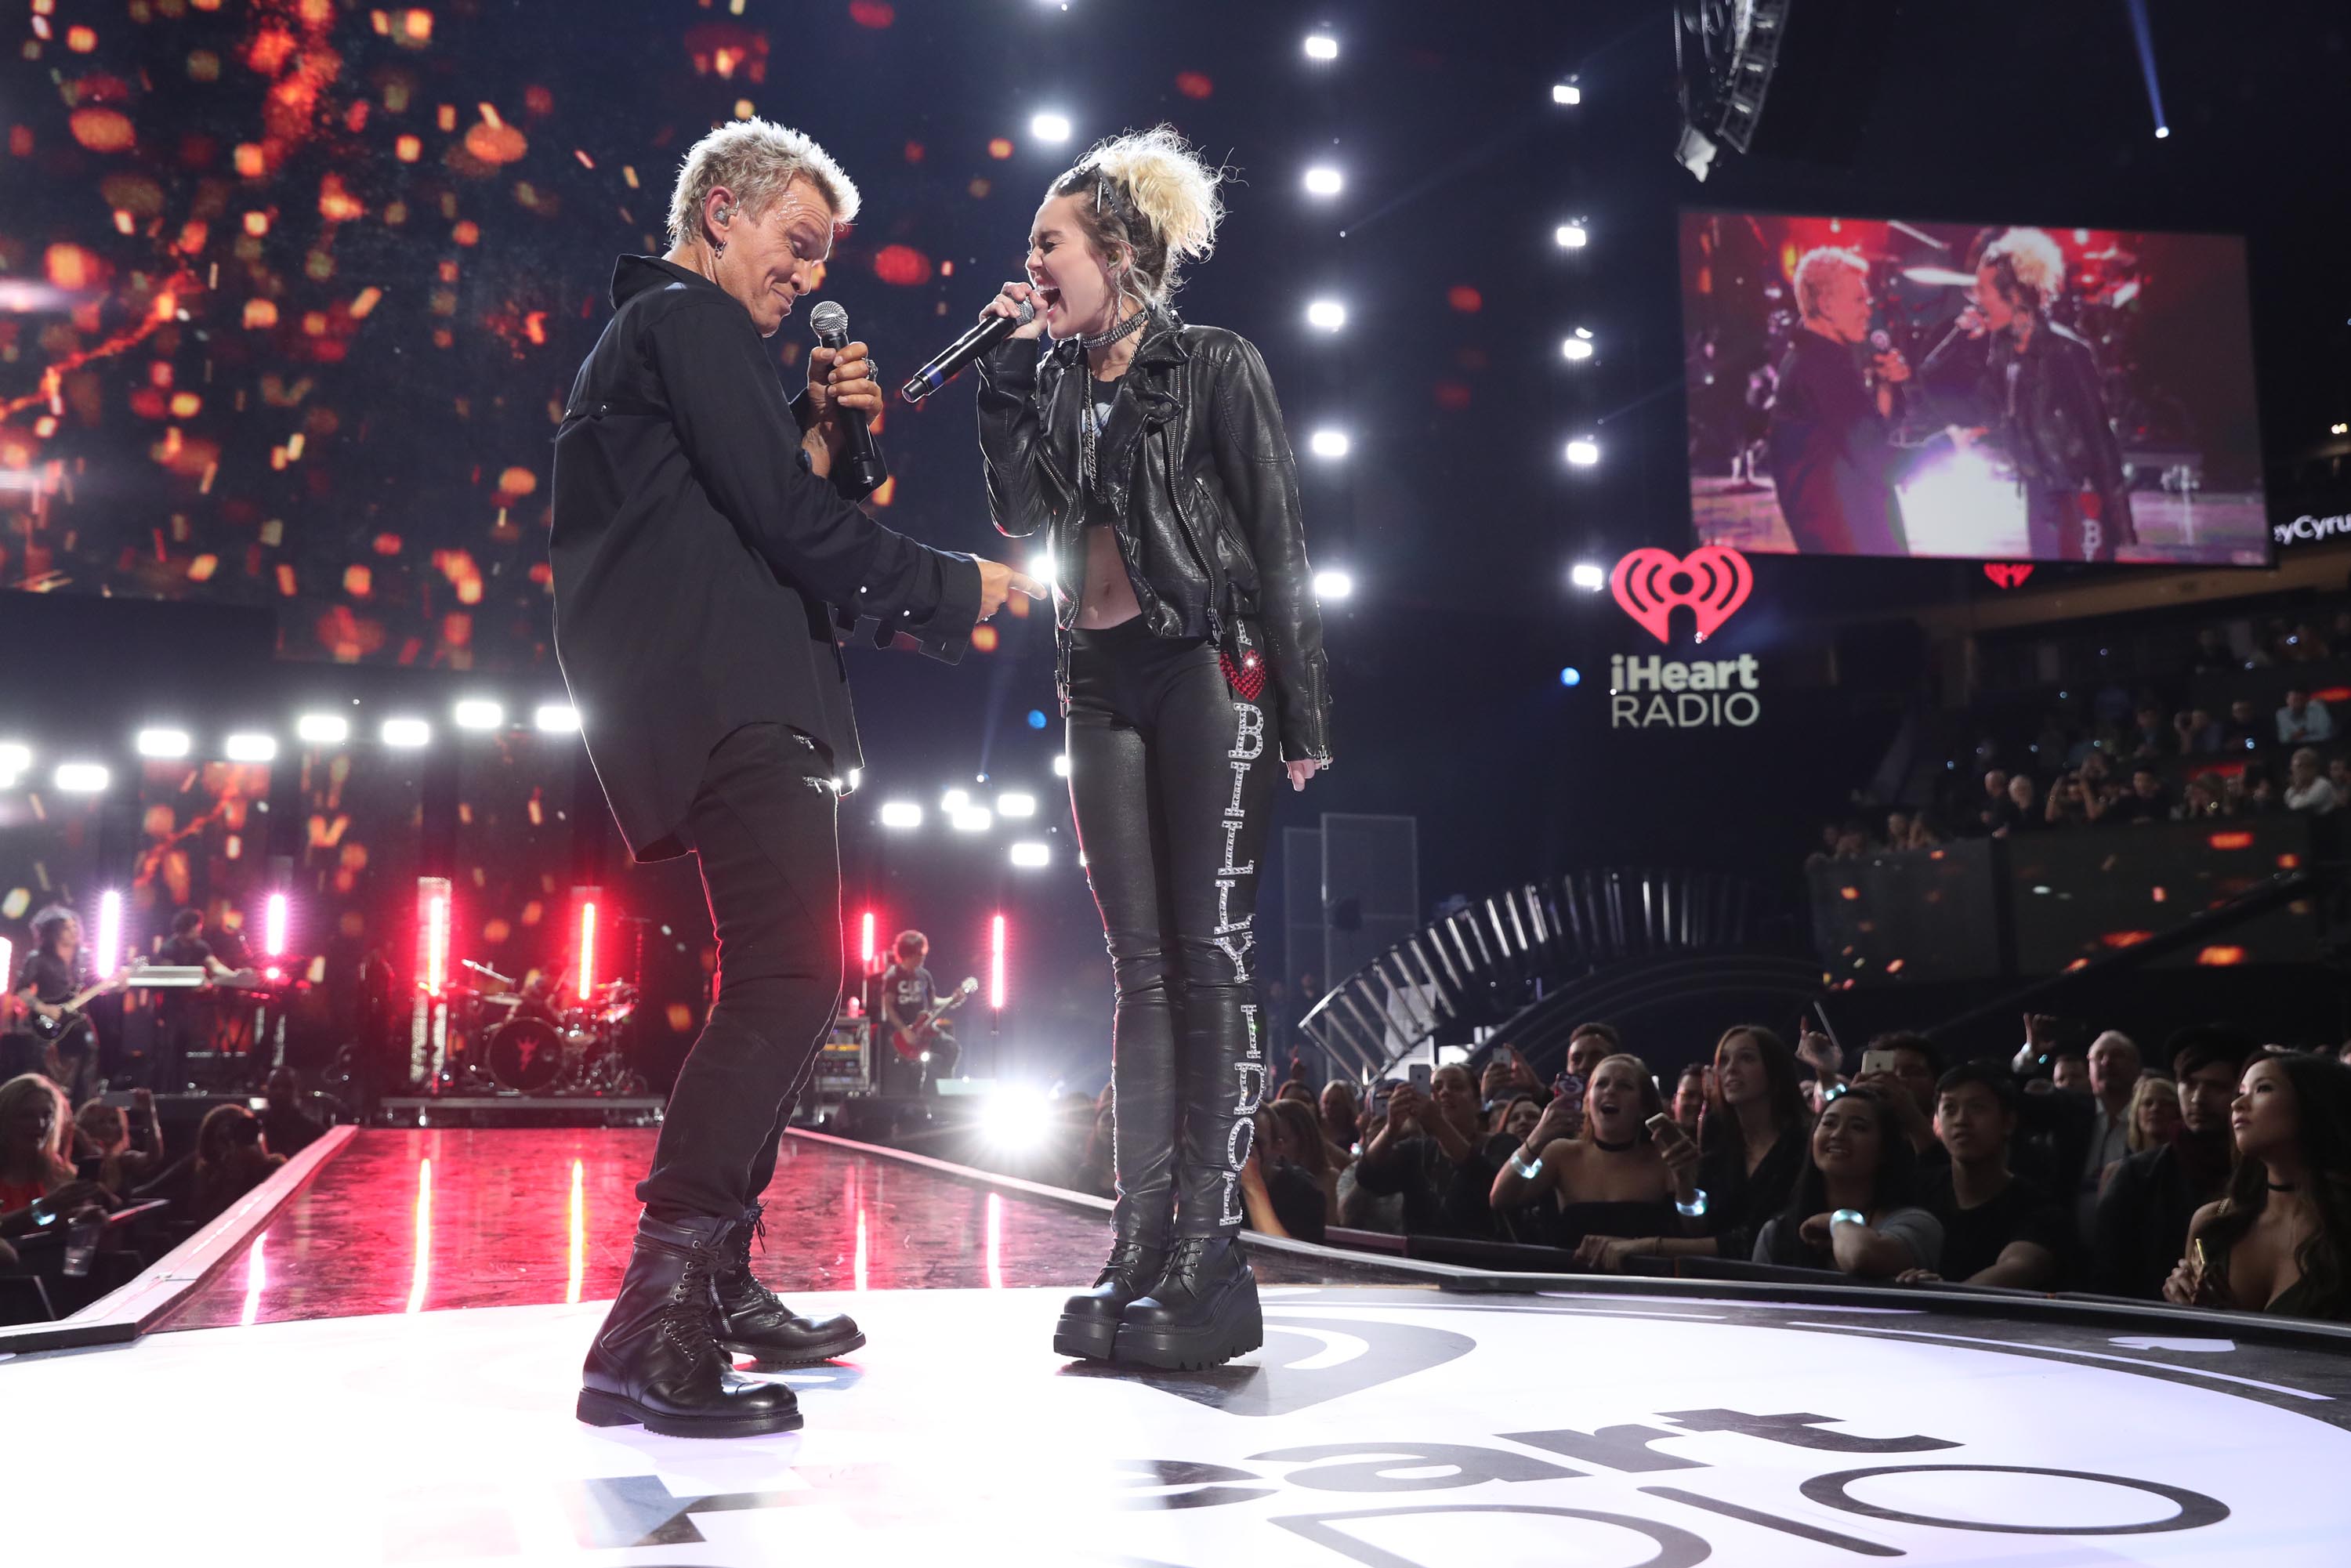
{"x": 996, "y": 963}
{"x": 865, "y": 942}
{"x": 588, "y": 898}
{"x": 7, "y": 962}
{"x": 433, "y": 933}
{"x": 273, "y": 926}
{"x": 106, "y": 957}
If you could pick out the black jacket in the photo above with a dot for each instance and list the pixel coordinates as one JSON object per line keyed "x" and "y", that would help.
{"x": 1833, "y": 460}
{"x": 700, "y": 567}
{"x": 1198, "y": 481}
{"x": 2043, "y": 406}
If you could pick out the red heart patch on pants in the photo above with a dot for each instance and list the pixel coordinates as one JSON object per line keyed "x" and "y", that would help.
{"x": 1248, "y": 678}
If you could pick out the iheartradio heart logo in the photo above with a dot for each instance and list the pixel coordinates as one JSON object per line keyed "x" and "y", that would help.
{"x": 2007, "y": 576}
{"x": 1719, "y": 582}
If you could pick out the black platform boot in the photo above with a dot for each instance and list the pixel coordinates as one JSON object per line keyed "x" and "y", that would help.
{"x": 1203, "y": 1309}
{"x": 656, "y": 1361}
{"x": 1089, "y": 1326}
{"x": 1201, "y": 1312}
{"x": 753, "y": 1321}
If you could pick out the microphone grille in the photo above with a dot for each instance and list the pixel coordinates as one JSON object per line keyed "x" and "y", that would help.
{"x": 829, "y": 317}
{"x": 1880, "y": 339}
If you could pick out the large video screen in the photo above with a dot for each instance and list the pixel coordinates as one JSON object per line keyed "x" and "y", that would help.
{"x": 1880, "y": 387}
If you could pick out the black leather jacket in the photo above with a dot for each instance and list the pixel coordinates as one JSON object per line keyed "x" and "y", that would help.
{"x": 1198, "y": 480}
{"x": 2043, "y": 407}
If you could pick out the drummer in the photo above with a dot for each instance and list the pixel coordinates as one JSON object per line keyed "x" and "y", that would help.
{"x": 539, "y": 999}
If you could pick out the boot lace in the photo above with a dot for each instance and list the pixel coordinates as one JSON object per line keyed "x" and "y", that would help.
{"x": 741, "y": 1280}
{"x": 686, "y": 1318}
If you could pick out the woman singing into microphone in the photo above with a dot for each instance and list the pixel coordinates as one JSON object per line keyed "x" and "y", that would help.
{"x": 1192, "y": 673}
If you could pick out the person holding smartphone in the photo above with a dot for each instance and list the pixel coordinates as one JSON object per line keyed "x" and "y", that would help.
{"x": 1752, "y": 1144}
{"x": 1856, "y": 1206}
{"x": 1628, "y": 1172}
{"x": 1429, "y": 1149}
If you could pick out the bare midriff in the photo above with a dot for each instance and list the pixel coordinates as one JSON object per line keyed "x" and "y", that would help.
{"x": 1108, "y": 597}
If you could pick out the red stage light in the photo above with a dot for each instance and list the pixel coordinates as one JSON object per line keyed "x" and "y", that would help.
{"x": 996, "y": 963}
{"x": 2231, "y": 841}
{"x": 587, "y": 946}
{"x": 273, "y": 926}
{"x": 2221, "y": 956}
{"x": 431, "y": 933}
{"x": 865, "y": 941}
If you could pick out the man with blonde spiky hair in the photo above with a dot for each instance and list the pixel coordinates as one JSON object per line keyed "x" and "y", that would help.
{"x": 702, "y": 561}
{"x": 2033, "y": 389}
{"x": 1833, "y": 460}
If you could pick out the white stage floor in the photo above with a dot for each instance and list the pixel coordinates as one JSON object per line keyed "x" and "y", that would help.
{"x": 1379, "y": 1427}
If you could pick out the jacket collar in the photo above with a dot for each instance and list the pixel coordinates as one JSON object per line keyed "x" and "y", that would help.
{"x": 635, "y": 275}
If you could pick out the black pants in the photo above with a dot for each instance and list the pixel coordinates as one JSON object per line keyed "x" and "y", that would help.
{"x": 1172, "y": 772}
{"x": 763, "y": 827}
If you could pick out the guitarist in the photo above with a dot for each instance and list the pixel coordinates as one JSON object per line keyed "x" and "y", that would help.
{"x": 46, "y": 980}
{"x": 907, "y": 991}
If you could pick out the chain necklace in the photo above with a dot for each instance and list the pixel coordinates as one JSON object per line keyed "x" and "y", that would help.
{"x": 1089, "y": 418}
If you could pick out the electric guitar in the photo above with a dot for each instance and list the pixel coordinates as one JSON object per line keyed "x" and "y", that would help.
{"x": 910, "y": 1040}
{"x": 69, "y": 1011}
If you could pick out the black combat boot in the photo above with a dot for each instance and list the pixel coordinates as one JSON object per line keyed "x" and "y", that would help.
{"x": 753, "y": 1321}
{"x": 655, "y": 1360}
{"x": 1089, "y": 1326}
{"x": 1201, "y": 1312}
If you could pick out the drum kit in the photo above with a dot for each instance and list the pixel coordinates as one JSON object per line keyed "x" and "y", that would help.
{"x": 528, "y": 1044}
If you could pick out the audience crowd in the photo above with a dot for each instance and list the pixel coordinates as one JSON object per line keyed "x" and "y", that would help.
{"x": 2118, "y": 756}
{"x": 2218, "y": 1175}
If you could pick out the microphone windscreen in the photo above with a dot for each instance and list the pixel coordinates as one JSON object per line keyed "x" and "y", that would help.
{"x": 829, "y": 316}
{"x": 1880, "y": 339}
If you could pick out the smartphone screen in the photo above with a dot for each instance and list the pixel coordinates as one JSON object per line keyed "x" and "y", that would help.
{"x": 1877, "y": 1061}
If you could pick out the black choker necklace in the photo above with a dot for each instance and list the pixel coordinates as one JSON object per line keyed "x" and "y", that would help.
{"x": 1609, "y": 1148}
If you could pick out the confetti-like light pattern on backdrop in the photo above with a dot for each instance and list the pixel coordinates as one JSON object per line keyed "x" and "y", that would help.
{"x": 291, "y": 316}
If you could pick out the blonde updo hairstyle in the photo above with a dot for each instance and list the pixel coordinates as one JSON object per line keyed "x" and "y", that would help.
{"x": 1147, "y": 204}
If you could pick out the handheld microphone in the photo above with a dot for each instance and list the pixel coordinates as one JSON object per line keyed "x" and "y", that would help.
{"x": 830, "y": 322}
{"x": 963, "y": 351}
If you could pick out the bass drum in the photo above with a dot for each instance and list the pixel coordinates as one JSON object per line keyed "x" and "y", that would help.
{"x": 525, "y": 1055}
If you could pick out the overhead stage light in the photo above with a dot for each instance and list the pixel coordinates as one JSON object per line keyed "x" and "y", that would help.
{"x": 406, "y": 733}
{"x": 1050, "y": 127}
{"x": 1015, "y": 804}
{"x": 556, "y": 718}
{"x": 479, "y": 713}
{"x": 251, "y": 747}
{"x": 1570, "y": 237}
{"x": 1583, "y": 451}
{"x": 1329, "y": 444}
{"x": 1577, "y": 348}
{"x": 902, "y": 814}
{"x": 323, "y": 728}
{"x": 1323, "y": 181}
{"x": 1587, "y": 576}
{"x": 164, "y": 743}
{"x": 1567, "y": 93}
{"x": 1030, "y": 856}
{"x": 81, "y": 777}
{"x": 1327, "y": 314}
{"x": 1321, "y": 47}
{"x": 1334, "y": 585}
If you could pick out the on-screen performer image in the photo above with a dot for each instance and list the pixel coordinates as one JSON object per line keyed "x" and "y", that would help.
{"x": 1876, "y": 387}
